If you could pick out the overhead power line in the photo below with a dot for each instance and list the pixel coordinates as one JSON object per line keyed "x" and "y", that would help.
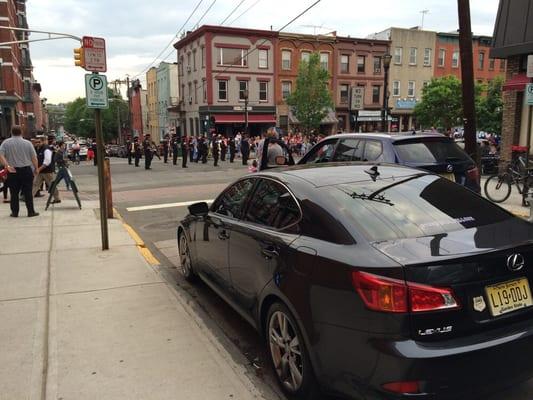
{"x": 232, "y": 12}
{"x": 244, "y": 12}
{"x": 171, "y": 41}
{"x": 204, "y": 14}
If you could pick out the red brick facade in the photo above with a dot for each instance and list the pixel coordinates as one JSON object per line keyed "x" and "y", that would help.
{"x": 136, "y": 110}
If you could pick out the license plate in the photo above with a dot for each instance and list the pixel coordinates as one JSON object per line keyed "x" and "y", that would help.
{"x": 450, "y": 177}
{"x": 509, "y": 296}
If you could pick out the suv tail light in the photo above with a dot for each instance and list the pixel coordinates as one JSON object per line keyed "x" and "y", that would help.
{"x": 473, "y": 174}
{"x": 396, "y": 296}
{"x": 403, "y": 387}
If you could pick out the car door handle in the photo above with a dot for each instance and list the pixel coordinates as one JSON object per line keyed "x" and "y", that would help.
{"x": 269, "y": 252}
{"x": 223, "y": 235}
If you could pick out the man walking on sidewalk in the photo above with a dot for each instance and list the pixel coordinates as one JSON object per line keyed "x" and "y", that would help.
{"x": 46, "y": 169}
{"x": 18, "y": 155}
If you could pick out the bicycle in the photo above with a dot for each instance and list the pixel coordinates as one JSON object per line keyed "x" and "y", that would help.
{"x": 498, "y": 187}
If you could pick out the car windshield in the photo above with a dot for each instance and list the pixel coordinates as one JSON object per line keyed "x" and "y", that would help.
{"x": 430, "y": 151}
{"x": 411, "y": 207}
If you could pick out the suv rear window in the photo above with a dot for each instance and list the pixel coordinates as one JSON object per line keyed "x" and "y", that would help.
{"x": 430, "y": 151}
{"x": 411, "y": 207}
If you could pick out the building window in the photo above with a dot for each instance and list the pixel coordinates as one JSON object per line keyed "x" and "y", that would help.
{"x": 194, "y": 59}
{"x": 412, "y": 55}
{"x": 203, "y": 57}
{"x": 305, "y": 56}
{"x": 427, "y": 57}
{"x": 345, "y": 93}
{"x": 442, "y": 57}
{"x": 376, "y": 94}
{"x": 243, "y": 87}
{"x": 263, "y": 58}
{"x": 396, "y": 88}
{"x": 189, "y": 61}
{"x": 455, "y": 59}
{"x": 190, "y": 93}
{"x": 491, "y": 64}
{"x": 233, "y": 57}
{"x": 223, "y": 90}
{"x": 481, "y": 60}
{"x": 398, "y": 55}
{"x": 377, "y": 65}
{"x": 361, "y": 64}
{"x": 195, "y": 92}
{"x": 345, "y": 64}
{"x": 286, "y": 56}
{"x": 411, "y": 89}
{"x": 263, "y": 91}
{"x": 324, "y": 60}
{"x": 204, "y": 90}
{"x": 286, "y": 89}
{"x": 502, "y": 65}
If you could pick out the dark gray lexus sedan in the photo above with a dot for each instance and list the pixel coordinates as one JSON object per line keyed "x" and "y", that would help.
{"x": 381, "y": 282}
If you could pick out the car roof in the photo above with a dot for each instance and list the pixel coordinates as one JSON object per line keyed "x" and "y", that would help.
{"x": 330, "y": 174}
{"x": 391, "y": 136}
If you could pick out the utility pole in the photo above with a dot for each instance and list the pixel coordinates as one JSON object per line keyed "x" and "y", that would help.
{"x": 100, "y": 155}
{"x": 128, "y": 124}
{"x": 467, "y": 71}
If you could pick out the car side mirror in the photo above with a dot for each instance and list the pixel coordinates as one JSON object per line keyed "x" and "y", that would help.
{"x": 199, "y": 209}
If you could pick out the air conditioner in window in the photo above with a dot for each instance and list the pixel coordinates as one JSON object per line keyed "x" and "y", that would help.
{"x": 188, "y": 69}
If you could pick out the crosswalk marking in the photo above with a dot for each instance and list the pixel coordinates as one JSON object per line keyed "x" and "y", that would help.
{"x": 167, "y": 205}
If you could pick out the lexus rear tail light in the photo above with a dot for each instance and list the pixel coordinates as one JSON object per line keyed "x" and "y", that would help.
{"x": 473, "y": 174}
{"x": 397, "y": 296}
{"x": 412, "y": 387}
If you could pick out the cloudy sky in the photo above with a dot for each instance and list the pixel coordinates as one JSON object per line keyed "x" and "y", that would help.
{"x": 137, "y": 31}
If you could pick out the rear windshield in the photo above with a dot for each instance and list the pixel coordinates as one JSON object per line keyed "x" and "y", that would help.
{"x": 417, "y": 206}
{"x": 430, "y": 151}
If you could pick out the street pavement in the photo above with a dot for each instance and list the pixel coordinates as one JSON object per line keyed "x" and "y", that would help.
{"x": 120, "y": 327}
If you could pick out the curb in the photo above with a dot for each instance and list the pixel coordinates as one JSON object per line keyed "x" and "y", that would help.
{"x": 141, "y": 246}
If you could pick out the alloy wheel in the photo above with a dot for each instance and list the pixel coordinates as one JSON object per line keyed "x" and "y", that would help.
{"x": 285, "y": 351}
{"x": 185, "y": 258}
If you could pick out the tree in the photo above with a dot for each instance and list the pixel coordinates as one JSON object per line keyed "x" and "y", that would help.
{"x": 489, "y": 111}
{"x": 442, "y": 104}
{"x": 311, "y": 99}
{"x": 79, "y": 120}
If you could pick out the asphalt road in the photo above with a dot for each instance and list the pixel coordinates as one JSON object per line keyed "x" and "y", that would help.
{"x": 149, "y": 201}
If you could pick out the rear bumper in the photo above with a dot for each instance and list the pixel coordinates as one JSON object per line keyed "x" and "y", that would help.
{"x": 457, "y": 369}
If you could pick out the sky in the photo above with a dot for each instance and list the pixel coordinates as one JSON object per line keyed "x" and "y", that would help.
{"x": 137, "y": 31}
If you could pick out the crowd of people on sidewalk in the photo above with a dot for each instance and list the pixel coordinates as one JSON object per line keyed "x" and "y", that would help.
{"x": 25, "y": 166}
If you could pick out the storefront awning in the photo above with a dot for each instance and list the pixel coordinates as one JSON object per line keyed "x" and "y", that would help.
{"x": 329, "y": 119}
{"x": 239, "y": 118}
{"x": 517, "y": 82}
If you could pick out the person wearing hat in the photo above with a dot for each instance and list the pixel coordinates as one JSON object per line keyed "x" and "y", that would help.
{"x": 46, "y": 167}
{"x": 137, "y": 150}
{"x": 129, "y": 149}
{"x": 148, "y": 154}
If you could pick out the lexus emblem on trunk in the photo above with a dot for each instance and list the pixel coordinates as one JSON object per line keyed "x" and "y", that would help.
{"x": 515, "y": 262}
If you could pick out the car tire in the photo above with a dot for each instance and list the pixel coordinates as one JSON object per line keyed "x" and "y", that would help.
{"x": 186, "y": 268}
{"x": 288, "y": 355}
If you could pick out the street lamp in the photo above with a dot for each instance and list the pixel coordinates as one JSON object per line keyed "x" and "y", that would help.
{"x": 386, "y": 65}
{"x": 245, "y": 94}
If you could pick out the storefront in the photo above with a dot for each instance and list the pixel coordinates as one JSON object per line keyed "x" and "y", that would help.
{"x": 328, "y": 125}
{"x": 228, "y": 121}
{"x": 368, "y": 121}
{"x": 403, "y": 115}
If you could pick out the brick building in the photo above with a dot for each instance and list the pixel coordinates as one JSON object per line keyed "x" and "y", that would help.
{"x": 447, "y": 58}
{"x": 513, "y": 42}
{"x": 136, "y": 93}
{"x": 19, "y": 93}
{"x": 219, "y": 66}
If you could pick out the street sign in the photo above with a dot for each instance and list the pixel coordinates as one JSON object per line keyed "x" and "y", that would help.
{"x": 240, "y": 108}
{"x": 96, "y": 91}
{"x": 529, "y": 94}
{"x": 530, "y": 66}
{"x": 95, "y": 57}
{"x": 358, "y": 97}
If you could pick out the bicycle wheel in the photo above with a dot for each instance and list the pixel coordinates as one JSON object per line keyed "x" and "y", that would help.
{"x": 498, "y": 188}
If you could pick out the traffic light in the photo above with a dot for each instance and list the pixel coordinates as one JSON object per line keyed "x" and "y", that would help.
{"x": 79, "y": 57}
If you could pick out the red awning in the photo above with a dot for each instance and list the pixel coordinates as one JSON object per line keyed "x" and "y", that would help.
{"x": 239, "y": 118}
{"x": 517, "y": 82}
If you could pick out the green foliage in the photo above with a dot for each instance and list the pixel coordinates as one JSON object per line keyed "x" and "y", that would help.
{"x": 311, "y": 99}
{"x": 489, "y": 108}
{"x": 442, "y": 104}
{"x": 79, "y": 120}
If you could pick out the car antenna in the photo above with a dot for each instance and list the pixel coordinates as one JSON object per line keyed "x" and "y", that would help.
{"x": 373, "y": 172}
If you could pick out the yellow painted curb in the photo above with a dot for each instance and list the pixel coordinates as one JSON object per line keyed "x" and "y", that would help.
{"x": 141, "y": 246}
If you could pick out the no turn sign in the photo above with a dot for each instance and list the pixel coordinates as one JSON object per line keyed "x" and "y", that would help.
{"x": 96, "y": 91}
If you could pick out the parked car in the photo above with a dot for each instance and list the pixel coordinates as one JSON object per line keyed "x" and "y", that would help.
{"x": 381, "y": 282}
{"x": 432, "y": 152}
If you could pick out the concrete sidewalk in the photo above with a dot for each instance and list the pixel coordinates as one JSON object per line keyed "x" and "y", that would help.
{"x": 79, "y": 323}
{"x": 513, "y": 203}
